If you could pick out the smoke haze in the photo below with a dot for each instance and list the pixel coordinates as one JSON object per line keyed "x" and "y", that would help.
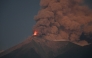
{"x": 63, "y": 20}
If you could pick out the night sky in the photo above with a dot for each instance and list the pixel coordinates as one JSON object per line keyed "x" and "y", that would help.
{"x": 17, "y": 20}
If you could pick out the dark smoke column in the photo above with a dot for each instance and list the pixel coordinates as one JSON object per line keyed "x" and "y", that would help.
{"x": 64, "y": 20}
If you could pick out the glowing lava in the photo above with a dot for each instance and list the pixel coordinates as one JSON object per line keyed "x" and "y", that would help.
{"x": 35, "y": 33}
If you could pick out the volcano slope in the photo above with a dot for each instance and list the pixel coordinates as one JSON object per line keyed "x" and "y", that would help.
{"x": 37, "y": 47}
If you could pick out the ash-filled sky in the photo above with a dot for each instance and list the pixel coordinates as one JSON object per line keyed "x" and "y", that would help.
{"x": 64, "y": 20}
{"x": 17, "y": 20}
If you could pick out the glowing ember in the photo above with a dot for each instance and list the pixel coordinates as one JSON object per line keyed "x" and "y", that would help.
{"x": 35, "y": 33}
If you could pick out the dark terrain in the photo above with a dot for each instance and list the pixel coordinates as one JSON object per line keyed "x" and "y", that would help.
{"x": 40, "y": 48}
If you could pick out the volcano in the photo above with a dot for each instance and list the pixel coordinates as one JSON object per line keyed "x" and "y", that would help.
{"x": 38, "y": 47}
{"x": 63, "y": 29}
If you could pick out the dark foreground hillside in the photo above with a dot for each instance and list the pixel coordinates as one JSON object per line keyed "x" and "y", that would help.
{"x": 82, "y": 52}
{"x": 41, "y": 48}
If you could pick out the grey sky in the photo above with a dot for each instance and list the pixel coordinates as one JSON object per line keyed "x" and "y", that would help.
{"x": 16, "y": 21}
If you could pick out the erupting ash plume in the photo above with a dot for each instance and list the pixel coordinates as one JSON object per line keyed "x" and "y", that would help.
{"x": 63, "y": 20}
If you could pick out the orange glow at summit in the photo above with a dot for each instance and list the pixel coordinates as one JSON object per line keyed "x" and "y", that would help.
{"x": 35, "y": 33}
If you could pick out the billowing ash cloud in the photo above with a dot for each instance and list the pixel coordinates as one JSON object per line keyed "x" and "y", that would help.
{"x": 63, "y": 19}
